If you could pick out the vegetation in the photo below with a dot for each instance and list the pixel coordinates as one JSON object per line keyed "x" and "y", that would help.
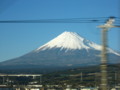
{"x": 89, "y": 76}
{"x": 83, "y": 76}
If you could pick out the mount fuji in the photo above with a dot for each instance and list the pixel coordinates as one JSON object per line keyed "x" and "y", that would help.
{"x": 68, "y": 49}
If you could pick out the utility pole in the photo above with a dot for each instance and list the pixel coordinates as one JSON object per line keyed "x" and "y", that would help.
{"x": 115, "y": 78}
{"x": 81, "y": 76}
{"x": 104, "y": 60}
{"x": 105, "y": 28}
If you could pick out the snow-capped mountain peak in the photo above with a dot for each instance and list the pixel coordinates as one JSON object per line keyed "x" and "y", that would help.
{"x": 72, "y": 41}
{"x": 69, "y": 40}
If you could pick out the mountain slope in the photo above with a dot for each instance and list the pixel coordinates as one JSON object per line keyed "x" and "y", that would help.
{"x": 66, "y": 50}
{"x": 72, "y": 41}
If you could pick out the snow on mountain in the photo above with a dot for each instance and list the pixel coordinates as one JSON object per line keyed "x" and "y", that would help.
{"x": 71, "y": 40}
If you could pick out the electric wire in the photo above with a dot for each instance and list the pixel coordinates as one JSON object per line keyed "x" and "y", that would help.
{"x": 69, "y": 20}
{"x": 66, "y": 20}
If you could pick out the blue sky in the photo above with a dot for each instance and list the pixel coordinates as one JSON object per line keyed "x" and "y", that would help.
{"x": 17, "y": 39}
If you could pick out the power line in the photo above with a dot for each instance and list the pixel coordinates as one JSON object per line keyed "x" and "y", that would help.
{"x": 69, "y": 20}
{"x": 39, "y": 21}
{"x": 66, "y": 20}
